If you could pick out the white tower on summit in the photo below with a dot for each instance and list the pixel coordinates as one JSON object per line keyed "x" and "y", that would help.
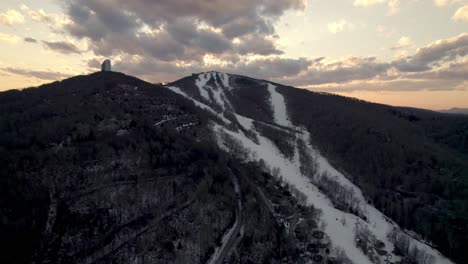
{"x": 106, "y": 66}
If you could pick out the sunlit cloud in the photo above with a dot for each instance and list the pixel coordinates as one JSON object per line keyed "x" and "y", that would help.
{"x": 403, "y": 43}
{"x": 40, "y": 16}
{"x": 461, "y": 14}
{"x": 11, "y": 17}
{"x": 442, "y": 3}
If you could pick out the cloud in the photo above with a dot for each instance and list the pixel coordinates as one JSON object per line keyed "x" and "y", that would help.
{"x": 30, "y": 40}
{"x": 342, "y": 71}
{"x": 43, "y": 75}
{"x": 434, "y": 54}
{"x": 12, "y": 39}
{"x": 271, "y": 68}
{"x": 339, "y": 26}
{"x": 461, "y": 14}
{"x": 154, "y": 70}
{"x": 178, "y": 30}
{"x": 441, "y": 65}
{"x": 442, "y": 3}
{"x": 172, "y": 38}
{"x": 403, "y": 43}
{"x": 62, "y": 47}
{"x": 40, "y": 16}
{"x": 454, "y": 71}
{"x": 11, "y": 17}
{"x": 255, "y": 44}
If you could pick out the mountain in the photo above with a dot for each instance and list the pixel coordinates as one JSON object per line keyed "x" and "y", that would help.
{"x": 456, "y": 110}
{"x": 222, "y": 168}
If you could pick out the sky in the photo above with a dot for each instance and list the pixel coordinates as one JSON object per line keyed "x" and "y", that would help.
{"x": 397, "y": 52}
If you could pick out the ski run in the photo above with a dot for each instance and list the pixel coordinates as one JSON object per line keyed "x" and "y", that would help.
{"x": 338, "y": 225}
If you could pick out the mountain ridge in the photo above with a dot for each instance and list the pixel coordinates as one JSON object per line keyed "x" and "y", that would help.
{"x": 408, "y": 117}
{"x": 250, "y": 120}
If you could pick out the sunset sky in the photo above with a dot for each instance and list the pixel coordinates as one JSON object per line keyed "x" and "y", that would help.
{"x": 398, "y": 52}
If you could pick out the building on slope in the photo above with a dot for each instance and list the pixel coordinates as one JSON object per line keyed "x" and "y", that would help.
{"x": 106, "y": 66}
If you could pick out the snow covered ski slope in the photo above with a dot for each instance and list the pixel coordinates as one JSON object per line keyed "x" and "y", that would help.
{"x": 340, "y": 225}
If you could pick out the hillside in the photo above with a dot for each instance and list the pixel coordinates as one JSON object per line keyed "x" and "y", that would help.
{"x": 107, "y": 168}
{"x": 221, "y": 168}
{"x": 411, "y": 164}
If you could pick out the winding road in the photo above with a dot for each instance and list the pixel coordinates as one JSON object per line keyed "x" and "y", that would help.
{"x": 234, "y": 235}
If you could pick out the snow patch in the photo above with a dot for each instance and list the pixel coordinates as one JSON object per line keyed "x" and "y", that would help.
{"x": 279, "y": 107}
{"x": 245, "y": 122}
{"x": 225, "y": 79}
{"x": 201, "y": 83}
{"x": 198, "y": 103}
{"x": 218, "y": 90}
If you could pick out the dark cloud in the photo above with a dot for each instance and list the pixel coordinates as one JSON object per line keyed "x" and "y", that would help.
{"x": 30, "y": 40}
{"x": 154, "y": 70}
{"x": 454, "y": 71}
{"x": 43, "y": 75}
{"x": 428, "y": 64}
{"x": 275, "y": 69}
{"x": 434, "y": 54}
{"x": 167, "y": 39}
{"x": 217, "y": 13}
{"x": 97, "y": 19}
{"x": 186, "y": 33}
{"x": 180, "y": 30}
{"x": 340, "y": 72}
{"x": 255, "y": 44}
{"x": 62, "y": 47}
{"x": 407, "y": 65}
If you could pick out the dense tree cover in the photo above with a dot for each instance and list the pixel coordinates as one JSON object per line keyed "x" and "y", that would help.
{"x": 85, "y": 169}
{"x": 100, "y": 169}
{"x": 412, "y": 164}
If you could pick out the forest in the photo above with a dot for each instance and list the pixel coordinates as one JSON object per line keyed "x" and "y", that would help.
{"x": 412, "y": 164}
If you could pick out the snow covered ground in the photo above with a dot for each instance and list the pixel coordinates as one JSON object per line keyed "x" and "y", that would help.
{"x": 198, "y": 103}
{"x": 340, "y": 232}
{"x": 221, "y": 81}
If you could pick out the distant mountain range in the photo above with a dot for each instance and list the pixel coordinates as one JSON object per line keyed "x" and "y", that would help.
{"x": 223, "y": 168}
{"x": 456, "y": 110}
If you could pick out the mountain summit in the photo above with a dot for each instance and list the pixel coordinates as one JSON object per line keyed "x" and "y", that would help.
{"x": 223, "y": 168}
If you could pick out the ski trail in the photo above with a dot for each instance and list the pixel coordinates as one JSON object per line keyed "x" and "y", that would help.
{"x": 201, "y": 83}
{"x": 280, "y": 114}
{"x": 177, "y": 90}
{"x": 341, "y": 235}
